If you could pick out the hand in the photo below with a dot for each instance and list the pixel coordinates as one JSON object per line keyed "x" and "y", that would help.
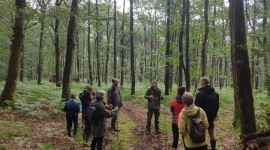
{"x": 151, "y": 97}
{"x": 110, "y": 107}
{"x": 161, "y": 96}
{"x": 116, "y": 108}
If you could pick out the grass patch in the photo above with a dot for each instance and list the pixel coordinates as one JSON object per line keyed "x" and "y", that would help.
{"x": 17, "y": 129}
{"x": 125, "y": 136}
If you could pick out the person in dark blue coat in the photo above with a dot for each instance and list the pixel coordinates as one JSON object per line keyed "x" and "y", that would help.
{"x": 208, "y": 99}
{"x": 86, "y": 97}
{"x": 72, "y": 108}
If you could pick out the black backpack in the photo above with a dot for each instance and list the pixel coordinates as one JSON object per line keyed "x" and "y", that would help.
{"x": 197, "y": 130}
{"x": 93, "y": 114}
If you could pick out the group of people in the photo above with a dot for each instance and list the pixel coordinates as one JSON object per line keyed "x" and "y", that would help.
{"x": 182, "y": 108}
{"x": 89, "y": 98}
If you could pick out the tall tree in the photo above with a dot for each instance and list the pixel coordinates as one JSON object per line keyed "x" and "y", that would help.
{"x": 70, "y": 51}
{"x": 122, "y": 44}
{"x": 90, "y": 72}
{"x": 187, "y": 74}
{"x": 97, "y": 45}
{"x": 168, "y": 50}
{"x": 57, "y": 47}
{"x": 181, "y": 50}
{"x": 114, "y": 41}
{"x": 108, "y": 34}
{"x": 206, "y": 31}
{"x": 241, "y": 70}
{"x": 132, "y": 66}
{"x": 15, "y": 53}
{"x": 265, "y": 47}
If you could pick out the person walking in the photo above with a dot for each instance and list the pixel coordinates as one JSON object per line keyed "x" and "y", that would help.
{"x": 176, "y": 106}
{"x": 114, "y": 99}
{"x": 154, "y": 97}
{"x": 208, "y": 99}
{"x": 99, "y": 129}
{"x": 190, "y": 110}
{"x": 86, "y": 98}
{"x": 72, "y": 110}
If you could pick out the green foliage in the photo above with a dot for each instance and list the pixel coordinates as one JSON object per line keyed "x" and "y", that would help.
{"x": 14, "y": 129}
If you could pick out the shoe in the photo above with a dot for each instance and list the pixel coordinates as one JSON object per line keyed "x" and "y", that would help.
{"x": 147, "y": 131}
{"x": 158, "y": 132}
{"x": 87, "y": 144}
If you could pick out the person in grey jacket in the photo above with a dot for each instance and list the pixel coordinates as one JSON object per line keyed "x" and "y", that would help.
{"x": 99, "y": 129}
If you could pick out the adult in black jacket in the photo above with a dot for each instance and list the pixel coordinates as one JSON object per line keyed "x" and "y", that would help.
{"x": 208, "y": 100}
{"x": 86, "y": 98}
{"x": 114, "y": 99}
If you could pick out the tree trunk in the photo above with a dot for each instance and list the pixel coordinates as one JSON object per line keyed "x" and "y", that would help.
{"x": 108, "y": 34}
{"x": 114, "y": 42}
{"x": 22, "y": 64}
{"x": 90, "y": 73}
{"x": 57, "y": 49}
{"x": 41, "y": 45}
{"x": 132, "y": 67}
{"x": 78, "y": 57}
{"x": 206, "y": 31}
{"x": 181, "y": 49}
{"x": 167, "y": 69}
{"x": 241, "y": 71}
{"x": 122, "y": 49}
{"x": 15, "y": 54}
{"x": 66, "y": 91}
{"x": 187, "y": 74}
{"x": 97, "y": 47}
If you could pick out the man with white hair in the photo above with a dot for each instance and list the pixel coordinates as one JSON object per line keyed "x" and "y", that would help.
{"x": 99, "y": 128}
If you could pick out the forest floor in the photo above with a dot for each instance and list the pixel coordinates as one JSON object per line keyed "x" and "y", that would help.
{"x": 35, "y": 121}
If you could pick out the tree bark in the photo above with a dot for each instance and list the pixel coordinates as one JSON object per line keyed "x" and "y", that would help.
{"x": 132, "y": 67}
{"x": 78, "y": 56}
{"x": 41, "y": 45}
{"x": 66, "y": 91}
{"x": 114, "y": 41}
{"x": 168, "y": 49}
{"x": 187, "y": 74}
{"x": 57, "y": 48}
{"x": 241, "y": 71}
{"x": 15, "y": 54}
{"x": 122, "y": 49}
{"x": 108, "y": 34}
{"x": 22, "y": 64}
{"x": 97, "y": 46}
{"x": 206, "y": 31}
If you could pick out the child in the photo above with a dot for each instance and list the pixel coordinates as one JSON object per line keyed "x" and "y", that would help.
{"x": 72, "y": 108}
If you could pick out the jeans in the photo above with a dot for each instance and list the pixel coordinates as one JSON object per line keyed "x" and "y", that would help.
{"x": 149, "y": 117}
{"x": 73, "y": 119}
{"x": 97, "y": 141}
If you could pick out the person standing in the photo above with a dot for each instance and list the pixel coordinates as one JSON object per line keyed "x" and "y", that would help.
{"x": 72, "y": 109}
{"x": 114, "y": 100}
{"x": 176, "y": 107}
{"x": 86, "y": 98}
{"x": 154, "y": 96}
{"x": 208, "y": 100}
{"x": 191, "y": 110}
{"x": 99, "y": 129}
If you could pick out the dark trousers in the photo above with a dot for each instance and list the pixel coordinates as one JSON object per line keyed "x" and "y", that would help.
{"x": 175, "y": 131}
{"x": 87, "y": 129}
{"x": 73, "y": 119}
{"x": 198, "y": 148}
{"x": 149, "y": 117}
{"x": 97, "y": 141}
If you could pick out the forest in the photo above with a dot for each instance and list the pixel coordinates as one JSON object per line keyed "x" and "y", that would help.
{"x": 52, "y": 48}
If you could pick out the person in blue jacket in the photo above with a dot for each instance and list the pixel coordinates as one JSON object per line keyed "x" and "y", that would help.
{"x": 72, "y": 108}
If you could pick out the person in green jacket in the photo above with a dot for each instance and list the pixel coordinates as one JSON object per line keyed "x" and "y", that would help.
{"x": 99, "y": 129}
{"x": 154, "y": 96}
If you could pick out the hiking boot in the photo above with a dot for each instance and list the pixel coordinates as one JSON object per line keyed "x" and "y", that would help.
{"x": 157, "y": 132}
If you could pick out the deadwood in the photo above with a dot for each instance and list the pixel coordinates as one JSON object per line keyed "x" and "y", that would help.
{"x": 246, "y": 137}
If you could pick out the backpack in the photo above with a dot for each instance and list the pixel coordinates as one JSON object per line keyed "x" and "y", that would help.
{"x": 197, "y": 130}
{"x": 93, "y": 114}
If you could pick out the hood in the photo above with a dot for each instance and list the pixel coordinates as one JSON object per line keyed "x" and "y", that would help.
{"x": 207, "y": 89}
{"x": 86, "y": 93}
{"x": 190, "y": 111}
{"x": 179, "y": 99}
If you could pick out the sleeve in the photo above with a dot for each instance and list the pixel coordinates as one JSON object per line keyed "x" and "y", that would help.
{"x": 161, "y": 94}
{"x": 182, "y": 124}
{"x": 65, "y": 107}
{"x": 146, "y": 96}
{"x": 217, "y": 105}
{"x": 198, "y": 101}
{"x": 204, "y": 119}
{"x": 171, "y": 106}
{"x": 109, "y": 98}
{"x": 78, "y": 108}
{"x": 104, "y": 112}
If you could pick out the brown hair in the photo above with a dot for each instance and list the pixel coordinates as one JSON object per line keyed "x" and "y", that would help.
{"x": 154, "y": 81}
{"x": 93, "y": 93}
{"x": 89, "y": 88}
{"x": 181, "y": 90}
{"x": 205, "y": 80}
{"x": 73, "y": 96}
{"x": 187, "y": 98}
